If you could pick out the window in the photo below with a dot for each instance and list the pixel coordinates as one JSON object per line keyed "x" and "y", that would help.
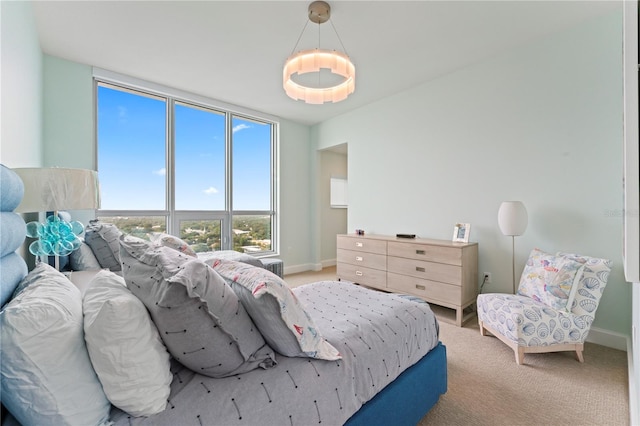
{"x": 176, "y": 164}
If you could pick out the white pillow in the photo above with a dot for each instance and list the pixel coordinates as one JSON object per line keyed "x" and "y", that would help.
{"x": 46, "y": 374}
{"x": 124, "y": 346}
{"x": 81, "y": 279}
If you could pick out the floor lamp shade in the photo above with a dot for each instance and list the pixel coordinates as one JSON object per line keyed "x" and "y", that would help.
{"x": 56, "y": 188}
{"x": 512, "y": 218}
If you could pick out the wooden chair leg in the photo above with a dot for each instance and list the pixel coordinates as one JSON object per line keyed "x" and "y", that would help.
{"x": 519, "y": 355}
{"x": 579, "y": 355}
{"x": 481, "y": 328}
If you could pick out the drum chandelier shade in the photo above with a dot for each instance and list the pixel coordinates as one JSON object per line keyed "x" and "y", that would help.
{"x": 311, "y": 61}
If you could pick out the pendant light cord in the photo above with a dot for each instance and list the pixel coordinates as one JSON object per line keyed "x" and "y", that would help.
{"x": 299, "y": 37}
{"x": 339, "y": 39}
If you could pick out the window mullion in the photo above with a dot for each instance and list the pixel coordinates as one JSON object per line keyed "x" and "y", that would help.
{"x": 173, "y": 225}
{"x": 228, "y": 130}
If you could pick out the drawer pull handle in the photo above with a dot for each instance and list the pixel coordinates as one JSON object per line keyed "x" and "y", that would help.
{"x": 358, "y": 273}
{"x": 420, "y": 269}
{"x": 419, "y": 251}
{"x": 420, "y": 287}
{"x": 359, "y": 258}
{"x": 359, "y": 244}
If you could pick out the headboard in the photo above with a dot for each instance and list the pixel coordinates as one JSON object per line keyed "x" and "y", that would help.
{"x": 12, "y": 233}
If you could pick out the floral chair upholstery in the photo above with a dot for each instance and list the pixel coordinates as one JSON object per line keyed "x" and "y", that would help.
{"x": 529, "y": 323}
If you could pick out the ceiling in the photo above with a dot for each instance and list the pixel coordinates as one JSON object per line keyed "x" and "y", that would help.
{"x": 234, "y": 51}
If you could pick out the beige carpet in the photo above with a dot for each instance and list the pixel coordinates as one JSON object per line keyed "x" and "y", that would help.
{"x": 487, "y": 387}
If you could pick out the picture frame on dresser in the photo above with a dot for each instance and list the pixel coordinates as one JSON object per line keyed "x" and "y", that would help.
{"x": 461, "y": 232}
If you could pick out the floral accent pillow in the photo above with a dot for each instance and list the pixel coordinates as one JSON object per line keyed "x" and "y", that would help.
{"x": 282, "y": 320}
{"x": 552, "y": 280}
{"x": 173, "y": 242}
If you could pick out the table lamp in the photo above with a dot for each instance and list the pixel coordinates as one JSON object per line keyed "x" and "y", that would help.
{"x": 50, "y": 190}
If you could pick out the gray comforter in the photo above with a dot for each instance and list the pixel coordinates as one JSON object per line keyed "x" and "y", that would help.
{"x": 379, "y": 335}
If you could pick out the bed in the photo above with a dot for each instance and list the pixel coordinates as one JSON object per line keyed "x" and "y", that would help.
{"x": 366, "y": 357}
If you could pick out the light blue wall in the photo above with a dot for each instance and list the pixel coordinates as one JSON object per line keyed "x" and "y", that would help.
{"x": 68, "y": 114}
{"x": 69, "y": 119}
{"x": 541, "y": 124}
{"x": 21, "y": 143}
{"x": 296, "y": 195}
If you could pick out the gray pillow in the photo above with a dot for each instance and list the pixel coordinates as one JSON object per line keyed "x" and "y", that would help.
{"x": 199, "y": 317}
{"x": 103, "y": 240}
{"x": 83, "y": 259}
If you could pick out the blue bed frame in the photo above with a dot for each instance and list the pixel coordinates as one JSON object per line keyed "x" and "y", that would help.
{"x": 410, "y": 396}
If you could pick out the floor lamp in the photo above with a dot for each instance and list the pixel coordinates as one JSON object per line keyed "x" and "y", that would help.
{"x": 50, "y": 190}
{"x": 512, "y": 219}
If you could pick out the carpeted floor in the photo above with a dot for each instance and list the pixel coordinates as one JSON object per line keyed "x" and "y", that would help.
{"x": 487, "y": 387}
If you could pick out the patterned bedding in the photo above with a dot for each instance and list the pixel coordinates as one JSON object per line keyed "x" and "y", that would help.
{"x": 379, "y": 335}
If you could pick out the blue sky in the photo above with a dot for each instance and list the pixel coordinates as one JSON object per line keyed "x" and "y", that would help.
{"x": 132, "y": 159}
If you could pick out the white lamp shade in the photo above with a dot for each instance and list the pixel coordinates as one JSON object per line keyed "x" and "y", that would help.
{"x": 512, "y": 218}
{"x": 55, "y": 188}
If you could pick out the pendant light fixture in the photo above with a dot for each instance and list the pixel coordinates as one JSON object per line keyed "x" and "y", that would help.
{"x": 311, "y": 61}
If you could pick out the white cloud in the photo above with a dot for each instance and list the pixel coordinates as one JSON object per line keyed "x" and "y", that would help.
{"x": 240, "y": 127}
{"x": 160, "y": 172}
{"x": 122, "y": 114}
{"x": 210, "y": 191}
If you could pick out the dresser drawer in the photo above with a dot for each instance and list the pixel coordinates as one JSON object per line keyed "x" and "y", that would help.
{"x": 433, "y": 253}
{"x": 442, "y": 272}
{"x": 362, "y": 259}
{"x": 362, "y": 244}
{"x": 365, "y": 276}
{"x": 447, "y": 294}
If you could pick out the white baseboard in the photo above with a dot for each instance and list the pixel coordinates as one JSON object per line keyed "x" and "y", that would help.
{"x": 607, "y": 338}
{"x": 305, "y": 267}
{"x": 634, "y": 392}
{"x": 329, "y": 262}
{"x": 296, "y": 269}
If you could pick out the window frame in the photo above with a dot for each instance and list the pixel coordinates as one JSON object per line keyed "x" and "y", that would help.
{"x": 172, "y": 216}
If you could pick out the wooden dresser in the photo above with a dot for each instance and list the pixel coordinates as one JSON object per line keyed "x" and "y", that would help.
{"x": 441, "y": 272}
